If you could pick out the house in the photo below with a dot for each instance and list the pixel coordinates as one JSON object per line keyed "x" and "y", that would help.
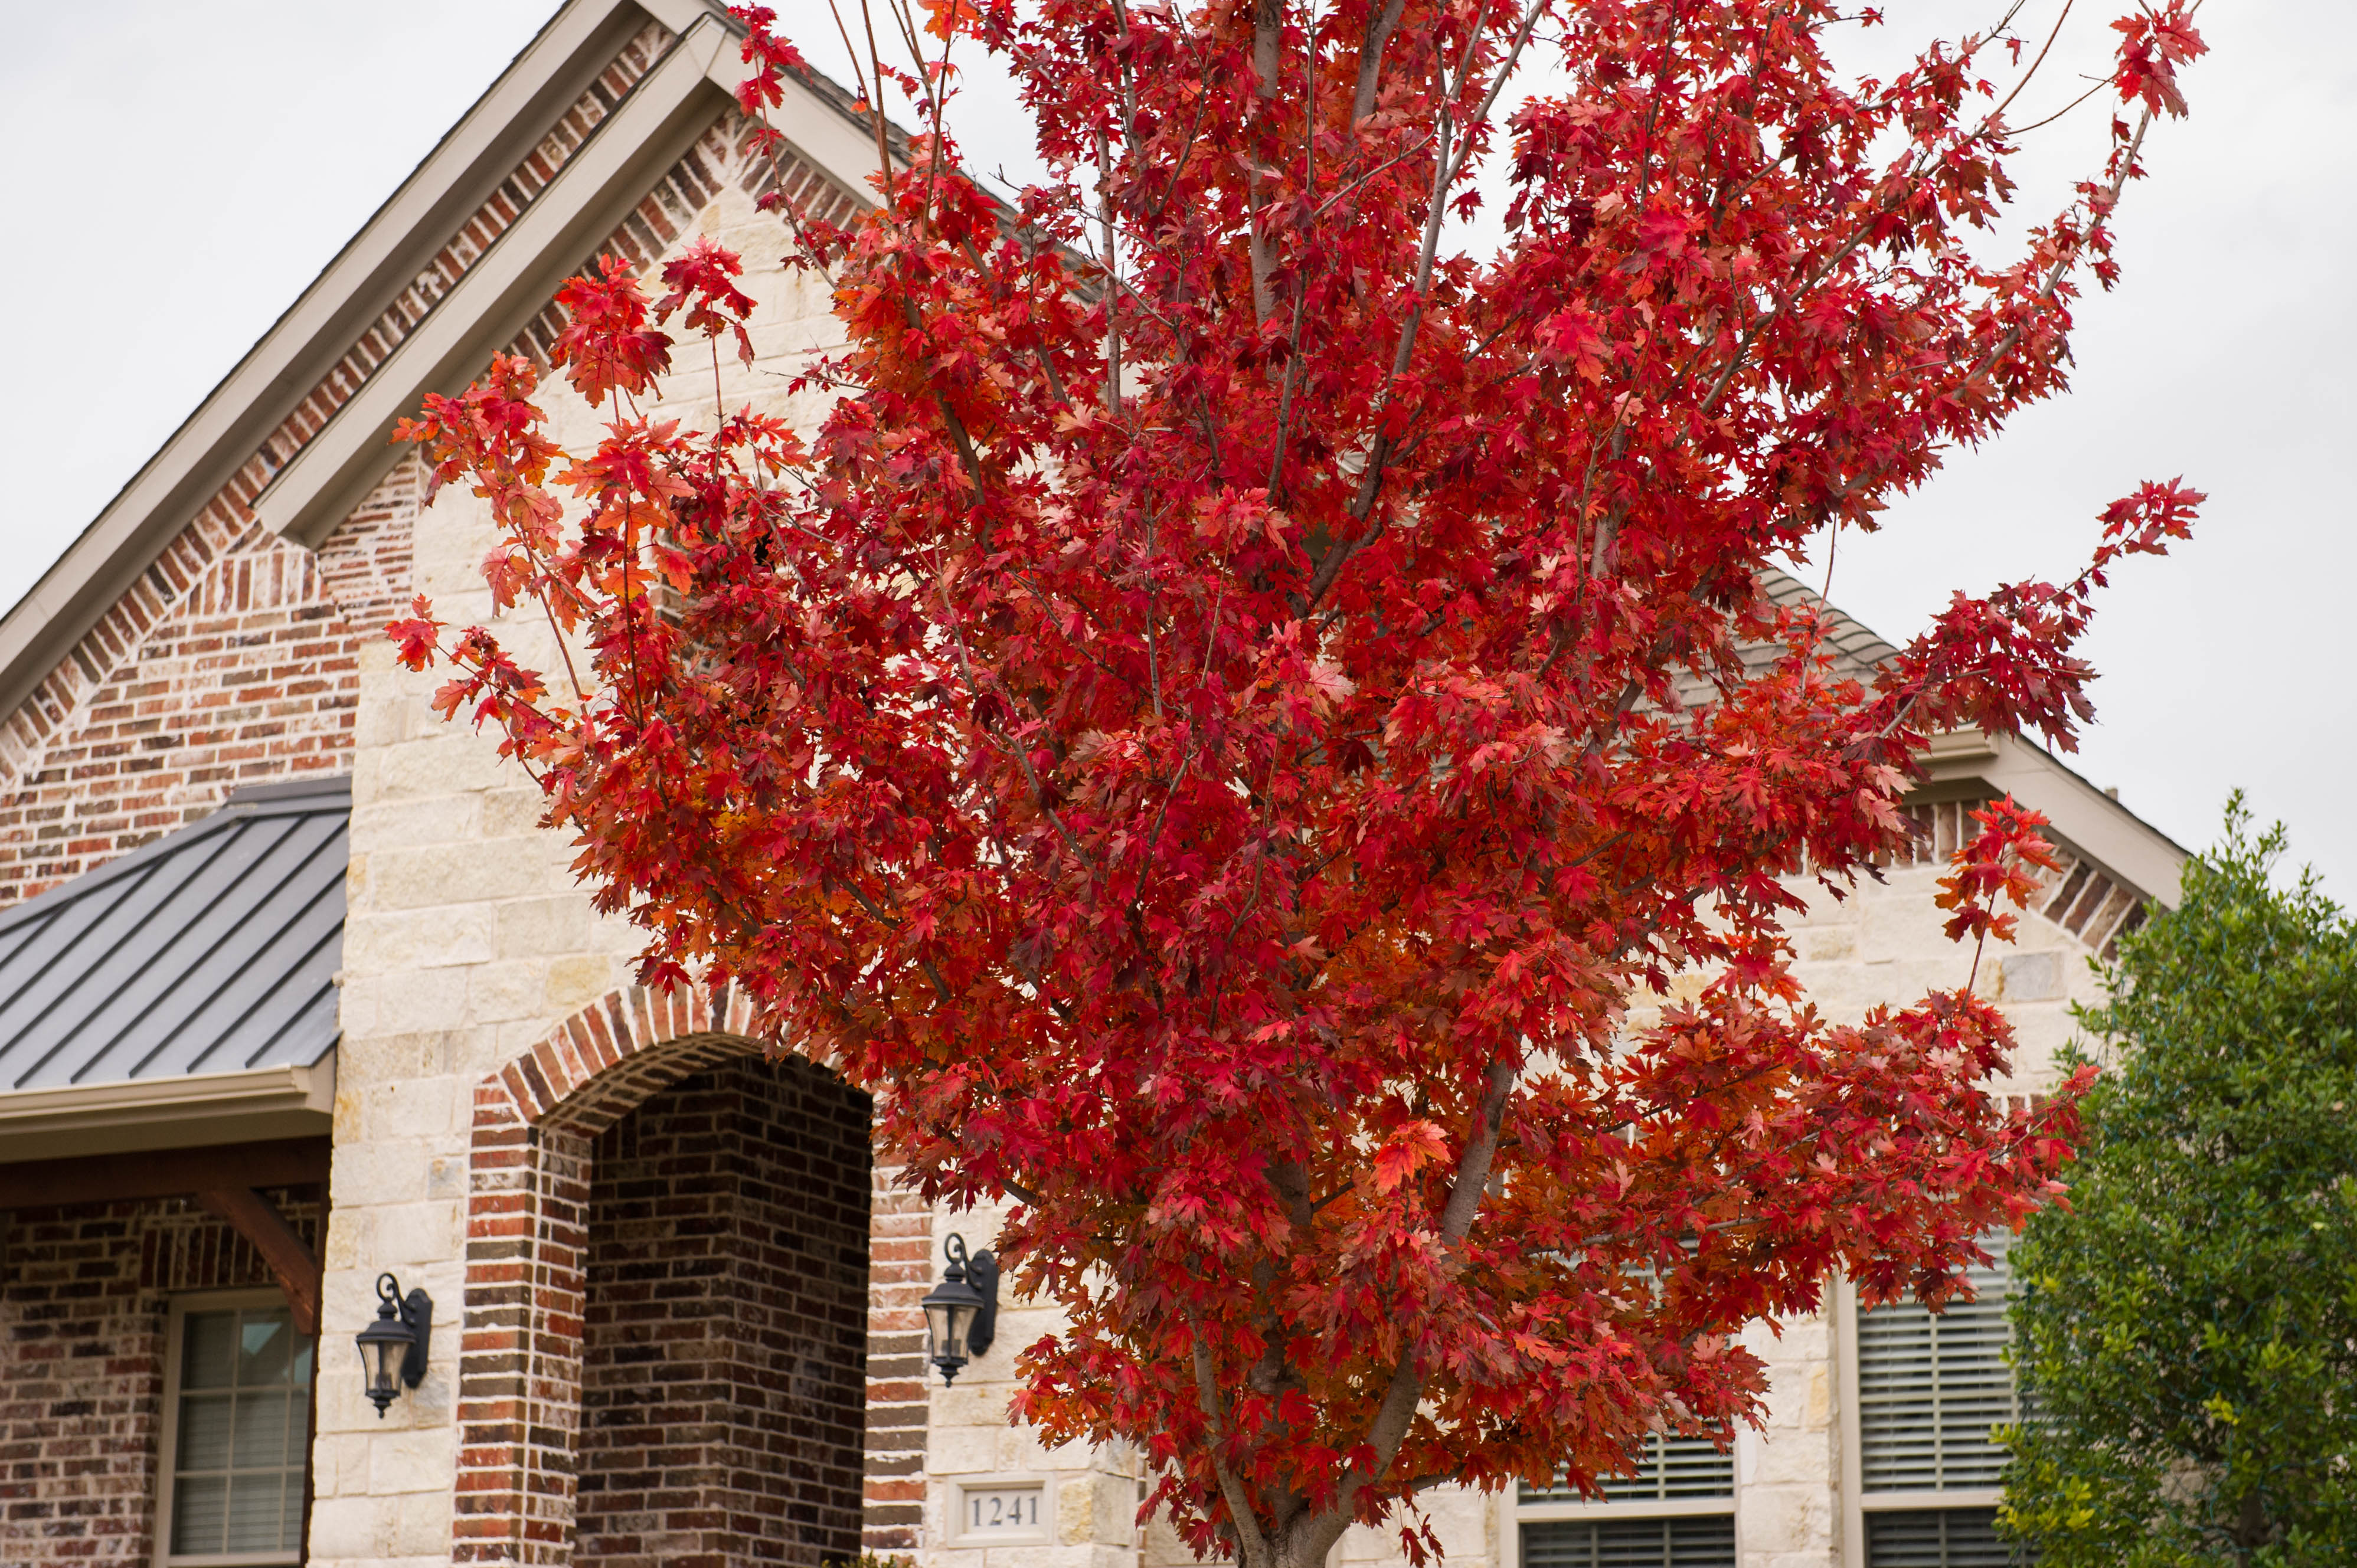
{"x": 305, "y": 1026}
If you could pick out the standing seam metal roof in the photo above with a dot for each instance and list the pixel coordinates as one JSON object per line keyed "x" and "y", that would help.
{"x": 213, "y": 949}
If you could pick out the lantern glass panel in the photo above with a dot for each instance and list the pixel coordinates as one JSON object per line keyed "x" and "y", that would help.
{"x": 947, "y": 1324}
{"x": 381, "y": 1354}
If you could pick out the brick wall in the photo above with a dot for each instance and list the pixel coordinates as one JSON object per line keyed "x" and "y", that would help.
{"x": 726, "y": 1335}
{"x": 84, "y": 1293}
{"x": 250, "y": 674}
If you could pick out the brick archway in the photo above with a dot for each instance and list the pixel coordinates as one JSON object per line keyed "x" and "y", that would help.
{"x": 519, "y": 1386}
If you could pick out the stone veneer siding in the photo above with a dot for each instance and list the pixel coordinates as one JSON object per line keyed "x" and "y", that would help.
{"x": 724, "y": 1337}
{"x": 84, "y": 1296}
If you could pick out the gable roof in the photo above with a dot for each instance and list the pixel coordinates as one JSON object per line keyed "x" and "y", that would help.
{"x": 213, "y": 949}
{"x": 551, "y": 159}
{"x": 2118, "y": 848}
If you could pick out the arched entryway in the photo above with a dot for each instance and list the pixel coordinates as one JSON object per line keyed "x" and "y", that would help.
{"x": 670, "y": 1233}
{"x": 723, "y": 1344}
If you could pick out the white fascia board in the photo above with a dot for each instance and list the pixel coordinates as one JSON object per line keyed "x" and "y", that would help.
{"x": 2092, "y": 822}
{"x": 823, "y": 130}
{"x": 168, "y": 1113}
{"x": 507, "y": 286}
{"x": 230, "y": 424}
{"x": 659, "y": 119}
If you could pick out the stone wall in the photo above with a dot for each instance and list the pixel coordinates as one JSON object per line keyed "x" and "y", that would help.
{"x": 249, "y": 672}
{"x": 84, "y": 1296}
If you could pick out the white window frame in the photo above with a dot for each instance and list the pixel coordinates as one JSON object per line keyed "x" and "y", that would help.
{"x": 1857, "y": 1503}
{"x": 168, "y": 1439}
{"x": 1519, "y": 1513}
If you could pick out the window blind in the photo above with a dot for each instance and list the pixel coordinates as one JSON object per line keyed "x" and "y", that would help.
{"x": 1689, "y": 1541}
{"x": 243, "y": 1418}
{"x": 1673, "y": 1468}
{"x": 1929, "y": 1388}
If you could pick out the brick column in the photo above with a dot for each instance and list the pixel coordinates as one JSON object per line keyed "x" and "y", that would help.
{"x": 899, "y": 1272}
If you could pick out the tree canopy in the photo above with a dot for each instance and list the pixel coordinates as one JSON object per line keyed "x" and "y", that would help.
{"x": 1238, "y": 694}
{"x": 2187, "y": 1332}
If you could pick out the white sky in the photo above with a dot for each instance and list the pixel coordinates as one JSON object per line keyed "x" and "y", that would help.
{"x": 174, "y": 174}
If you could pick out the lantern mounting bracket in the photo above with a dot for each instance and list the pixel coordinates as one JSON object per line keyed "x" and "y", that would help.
{"x": 982, "y": 1270}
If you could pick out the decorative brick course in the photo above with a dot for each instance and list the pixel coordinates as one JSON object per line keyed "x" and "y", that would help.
{"x": 531, "y": 1217}
{"x": 250, "y": 671}
{"x": 84, "y": 1295}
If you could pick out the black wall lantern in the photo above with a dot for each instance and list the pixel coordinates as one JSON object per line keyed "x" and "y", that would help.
{"x": 962, "y": 1311}
{"x": 393, "y": 1348}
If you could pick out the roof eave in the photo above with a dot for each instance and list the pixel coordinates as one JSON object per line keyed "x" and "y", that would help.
{"x": 230, "y": 425}
{"x": 2094, "y": 823}
{"x": 258, "y": 1105}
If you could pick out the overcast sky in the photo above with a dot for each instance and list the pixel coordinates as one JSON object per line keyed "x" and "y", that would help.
{"x": 175, "y": 173}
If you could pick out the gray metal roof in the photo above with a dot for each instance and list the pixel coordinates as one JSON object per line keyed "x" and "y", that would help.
{"x": 213, "y": 949}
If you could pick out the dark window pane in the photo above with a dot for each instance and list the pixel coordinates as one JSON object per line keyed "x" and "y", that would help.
{"x": 209, "y": 1350}
{"x": 199, "y": 1513}
{"x": 1939, "y": 1537}
{"x": 1693, "y": 1540}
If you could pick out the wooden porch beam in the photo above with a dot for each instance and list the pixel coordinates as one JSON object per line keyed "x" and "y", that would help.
{"x": 163, "y": 1173}
{"x": 291, "y": 1262}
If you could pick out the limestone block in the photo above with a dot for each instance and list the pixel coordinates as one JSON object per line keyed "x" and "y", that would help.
{"x": 430, "y": 819}
{"x": 340, "y": 1465}
{"x": 382, "y": 1058}
{"x": 1796, "y": 1458}
{"x": 412, "y": 1461}
{"x": 498, "y": 992}
{"x": 416, "y": 1109}
{"x": 961, "y": 1451}
{"x": 448, "y": 873}
{"x": 575, "y": 983}
{"x": 411, "y": 1234}
{"x": 380, "y": 1171}
{"x": 542, "y": 928}
{"x": 1785, "y": 1520}
{"x": 350, "y": 1528}
{"x": 421, "y": 1522}
{"x": 384, "y": 942}
{"x": 439, "y": 763}
{"x": 427, "y": 1000}
{"x": 1826, "y": 943}
{"x": 344, "y": 1245}
{"x": 514, "y": 810}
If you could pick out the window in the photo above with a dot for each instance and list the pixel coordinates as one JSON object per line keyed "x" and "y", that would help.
{"x": 237, "y": 1429}
{"x": 1926, "y": 1391}
{"x": 1676, "y": 1511}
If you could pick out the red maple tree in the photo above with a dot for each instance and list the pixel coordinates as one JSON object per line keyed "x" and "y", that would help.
{"x": 1238, "y": 699}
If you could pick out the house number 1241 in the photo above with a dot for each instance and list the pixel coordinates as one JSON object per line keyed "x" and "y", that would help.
{"x": 1013, "y": 1509}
